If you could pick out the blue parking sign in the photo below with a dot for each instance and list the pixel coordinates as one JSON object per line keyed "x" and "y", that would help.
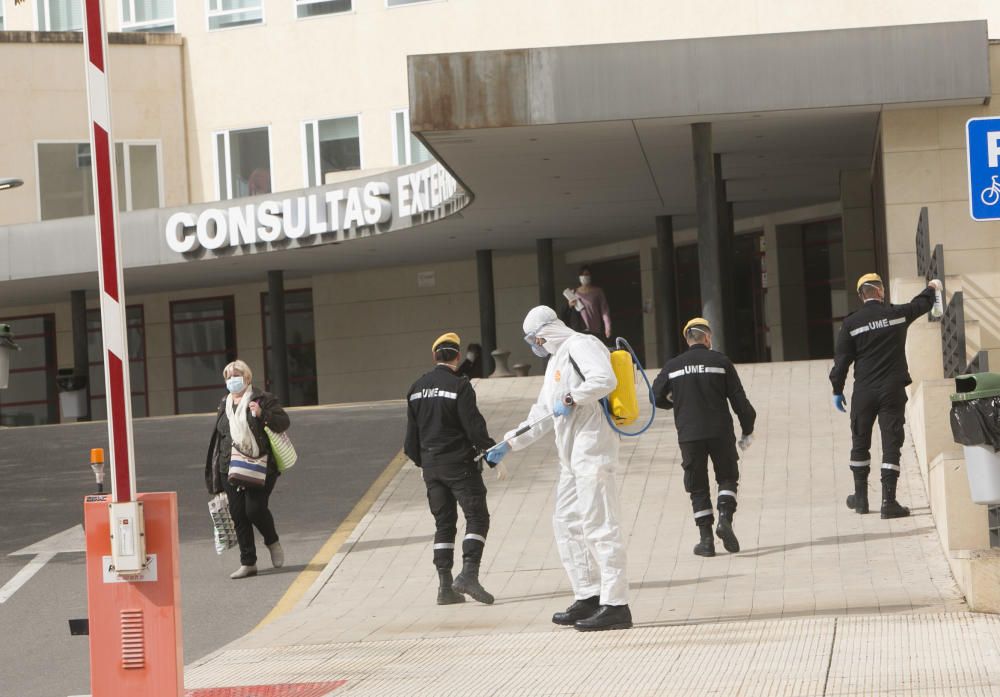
{"x": 982, "y": 143}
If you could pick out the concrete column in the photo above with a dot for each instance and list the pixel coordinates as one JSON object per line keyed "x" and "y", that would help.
{"x": 546, "y": 273}
{"x": 666, "y": 304}
{"x": 81, "y": 359}
{"x": 278, "y": 360}
{"x": 706, "y": 192}
{"x": 726, "y": 242}
{"x": 487, "y": 308}
{"x": 859, "y": 230}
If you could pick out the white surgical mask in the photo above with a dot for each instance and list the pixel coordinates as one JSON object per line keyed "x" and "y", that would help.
{"x": 584, "y": 280}
{"x": 539, "y": 351}
{"x": 235, "y": 384}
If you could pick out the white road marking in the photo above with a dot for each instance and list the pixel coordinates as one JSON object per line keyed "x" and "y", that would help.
{"x": 71, "y": 540}
{"x": 24, "y": 575}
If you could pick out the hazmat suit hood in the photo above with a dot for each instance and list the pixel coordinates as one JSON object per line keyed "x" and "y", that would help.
{"x": 542, "y": 321}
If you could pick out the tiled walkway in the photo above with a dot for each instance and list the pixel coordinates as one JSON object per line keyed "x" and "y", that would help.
{"x": 838, "y": 603}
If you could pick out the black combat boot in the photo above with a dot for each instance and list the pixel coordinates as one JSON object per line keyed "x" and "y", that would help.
{"x": 447, "y": 594}
{"x": 891, "y": 508}
{"x": 607, "y": 617}
{"x": 579, "y": 610}
{"x": 705, "y": 548}
{"x": 468, "y": 583}
{"x": 725, "y": 532}
{"x": 858, "y": 501}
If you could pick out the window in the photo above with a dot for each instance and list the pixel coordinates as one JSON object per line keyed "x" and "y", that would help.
{"x": 407, "y": 150}
{"x": 1, "y": 16}
{"x": 300, "y": 333}
{"x": 148, "y": 15}
{"x": 226, "y": 14}
{"x": 243, "y": 163}
{"x": 203, "y": 338}
{"x": 31, "y": 396}
{"x": 66, "y": 180}
{"x": 315, "y": 8}
{"x": 136, "y": 332}
{"x": 398, "y": 3}
{"x": 331, "y": 145}
{"x": 60, "y": 15}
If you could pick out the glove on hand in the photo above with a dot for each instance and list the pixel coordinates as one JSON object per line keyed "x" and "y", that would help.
{"x": 502, "y": 472}
{"x": 839, "y": 402}
{"x": 936, "y": 284}
{"x": 746, "y": 441}
{"x": 498, "y": 452}
{"x": 560, "y": 409}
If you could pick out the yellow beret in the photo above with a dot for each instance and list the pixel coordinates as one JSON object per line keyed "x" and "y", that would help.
{"x": 697, "y": 322}
{"x": 449, "y": 338}
{"x": 869, "y": 278}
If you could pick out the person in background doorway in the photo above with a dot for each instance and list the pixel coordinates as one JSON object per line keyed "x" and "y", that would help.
{"x": 592, "y": 305}
{"x": 242, "y": 416}
{"x": 472, "y": 366}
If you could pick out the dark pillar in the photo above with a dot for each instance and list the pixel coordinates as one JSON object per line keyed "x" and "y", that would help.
{"x": 667, "y": 302}
{"x": 278, "y": 360}
{"x": 487, "y": 308}
{"x": 81, "y": 359}
{"x": 708, "y": 231}
{"x": 726, "y": 242}
{"x": 546, "y": 273}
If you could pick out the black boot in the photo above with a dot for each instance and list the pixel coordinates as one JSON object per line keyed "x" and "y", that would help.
{"x": 579, "y": 610}
{"x": 725, "y": 532}
{"x": 891, "y": 508}
{"x": 705, "y": 548}
{"x": 608, "y": 617}
{"x": 447, "y": 594}
{"x": 858, "y": 501}
{"x": 468, "y": 583}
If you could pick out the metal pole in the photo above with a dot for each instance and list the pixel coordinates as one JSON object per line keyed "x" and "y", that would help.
{"x": 708, "y": 232}
{"x": 546, "y": 273}
{"x": 279, "y": 335}
{"x": 667, "y": 302}
{"x": 81, "y": 359}
{"x": 487, "y": 308}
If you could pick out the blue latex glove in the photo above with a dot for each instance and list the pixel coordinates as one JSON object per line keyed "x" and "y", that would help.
{"x": 839, "y": 402}
{"x": 497, "y": 453}
{"x": 560, "y": 409}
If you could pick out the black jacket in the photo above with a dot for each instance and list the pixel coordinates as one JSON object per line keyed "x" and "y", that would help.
{"x": 220, "y": 446}
{"x": 443, "y": 425}
{"x": 874, "y": 339}
{"x": 697, "y": 384}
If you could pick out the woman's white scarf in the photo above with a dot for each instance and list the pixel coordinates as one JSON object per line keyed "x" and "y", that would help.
{"x": 239, "y": 429}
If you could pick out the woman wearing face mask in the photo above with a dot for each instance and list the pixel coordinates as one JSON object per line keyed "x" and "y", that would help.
{"x": 242, "y": 416}
{"x": 472, "y": 366}
{"x": 591, "y": 303}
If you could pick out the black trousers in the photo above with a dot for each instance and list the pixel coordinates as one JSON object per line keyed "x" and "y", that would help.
{"x": 248, "y": 507}
{"x": 725, "y": 461}
{"x": 889, "y": 406}
{"x": 447, "y": 489}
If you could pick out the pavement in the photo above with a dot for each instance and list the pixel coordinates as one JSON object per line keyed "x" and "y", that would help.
{"x": 820, "y": 601}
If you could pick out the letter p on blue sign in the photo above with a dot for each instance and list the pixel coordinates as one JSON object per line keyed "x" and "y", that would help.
{"x": 982, "y": 140}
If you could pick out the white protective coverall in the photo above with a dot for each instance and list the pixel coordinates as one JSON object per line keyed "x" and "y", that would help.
{"x": 586, "y": 515}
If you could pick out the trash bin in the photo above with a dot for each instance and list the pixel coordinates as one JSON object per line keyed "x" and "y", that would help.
{"x": 7, "y": 347}
{"x": 72, "y": 393}
{"x": 975, "y": 424}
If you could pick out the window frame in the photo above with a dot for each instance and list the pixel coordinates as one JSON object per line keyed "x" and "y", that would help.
{"x": 297, "y": 3}
{"x": 266, "y": 346}
{"x": 305, "y": 155}
{"x": 231, "y": 352}
{"x": 229, "y": 159}
{"x": 218, "y": 13}
{"x": 126, "y": 144}
{"x": 148, "y": 25}
{"x": 50, "y": 369}
{"x": 145, "y": 359}
{"x": 38, "y": 173}
{"x": 44, "y": 4}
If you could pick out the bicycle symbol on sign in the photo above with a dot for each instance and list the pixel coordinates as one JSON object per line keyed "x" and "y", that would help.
{"x": 991, "y": 194}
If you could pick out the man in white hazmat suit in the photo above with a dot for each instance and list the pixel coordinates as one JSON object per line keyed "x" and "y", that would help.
{"x": 586, "y": 514}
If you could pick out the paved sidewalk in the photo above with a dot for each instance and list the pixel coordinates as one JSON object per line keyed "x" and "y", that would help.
{"x": 820, "y": 601}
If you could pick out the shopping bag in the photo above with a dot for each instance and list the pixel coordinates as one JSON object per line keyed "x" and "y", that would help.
{"x": 246, "y": 470}
{"x": 225, "y": 531}
{"x": 284, "y": 452}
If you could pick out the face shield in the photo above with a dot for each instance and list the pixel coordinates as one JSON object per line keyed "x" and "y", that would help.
{"x": 530, "y": 339}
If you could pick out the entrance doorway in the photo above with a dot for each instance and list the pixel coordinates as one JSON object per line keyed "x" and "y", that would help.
{"x": 620, "y": 279}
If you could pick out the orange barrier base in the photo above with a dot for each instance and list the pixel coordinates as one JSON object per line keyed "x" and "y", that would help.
{"x": 135, "y": 625}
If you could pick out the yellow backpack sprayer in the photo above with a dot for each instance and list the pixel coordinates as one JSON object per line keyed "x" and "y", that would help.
{"x": 621, "y": 407}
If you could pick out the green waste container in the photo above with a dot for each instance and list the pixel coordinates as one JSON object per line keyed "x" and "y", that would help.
{"x": 975, "y": 424}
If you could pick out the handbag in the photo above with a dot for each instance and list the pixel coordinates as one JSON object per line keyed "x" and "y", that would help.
{"x": 222, "y": 522}
{"x": 284, "y": 452}
{"x": 246, "y": 470}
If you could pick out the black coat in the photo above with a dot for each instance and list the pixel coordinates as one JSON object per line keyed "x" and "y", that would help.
{"x": 220, "y": 447}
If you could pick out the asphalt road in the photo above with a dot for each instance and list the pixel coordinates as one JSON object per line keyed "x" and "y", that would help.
{"x": 44, "y": 475}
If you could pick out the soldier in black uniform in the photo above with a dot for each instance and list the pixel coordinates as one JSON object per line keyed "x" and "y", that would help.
{"x": 874, "y": 339}
{"x": 696, "y": 385}
{"x": 444, "y": 434}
